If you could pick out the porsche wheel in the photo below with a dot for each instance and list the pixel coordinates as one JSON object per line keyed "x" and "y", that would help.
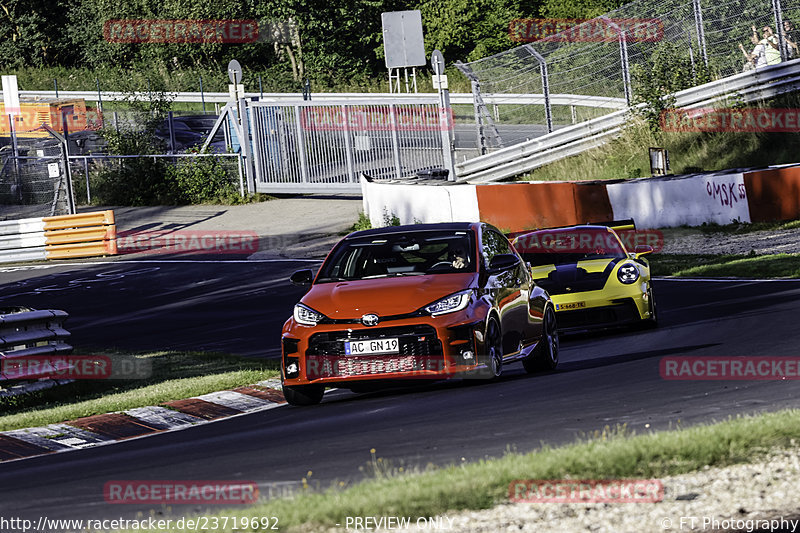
{"x": 651, "y": 322}
{"x": 545, "y": 355}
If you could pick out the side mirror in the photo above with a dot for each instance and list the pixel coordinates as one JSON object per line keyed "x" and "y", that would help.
{"x": 503, "y": 262}
{"x": 302, "y": 277}
{"x": 642, "y": 249}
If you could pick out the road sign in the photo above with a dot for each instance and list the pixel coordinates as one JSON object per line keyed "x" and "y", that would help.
{"x": 437, "y": 62}
{"x": 235, "y": 72}
{"x": 403, "y": 43}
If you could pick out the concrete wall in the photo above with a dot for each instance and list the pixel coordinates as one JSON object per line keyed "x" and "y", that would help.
{"x": 721, "y": 198}
{"x": 669, "y": 202}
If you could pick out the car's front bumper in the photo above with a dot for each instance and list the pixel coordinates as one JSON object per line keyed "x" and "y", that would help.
{"x": 603, "y": 308}
{"x": 429, "y": 348}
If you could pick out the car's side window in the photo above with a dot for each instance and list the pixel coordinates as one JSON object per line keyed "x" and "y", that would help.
{"x": 493, "y": 243}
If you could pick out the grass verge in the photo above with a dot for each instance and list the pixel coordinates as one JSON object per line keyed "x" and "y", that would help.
{"x": 175, "y": 376}
{"x": 720, "y": 266}
{"x": 610, "y": 454}
{"x": 627, "y": 156}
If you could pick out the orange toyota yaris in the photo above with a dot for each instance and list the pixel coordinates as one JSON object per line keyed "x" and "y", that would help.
{"x": 417, "y": 301}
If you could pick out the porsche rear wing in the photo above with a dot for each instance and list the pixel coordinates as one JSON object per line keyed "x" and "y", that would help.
{"x": 627, "y": 224}
{"x": 617, "y": 225}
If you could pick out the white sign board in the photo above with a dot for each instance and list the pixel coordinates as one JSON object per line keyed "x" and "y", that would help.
{"x": 10, "y": 95}
{"x": 53, "y": 170}
{"x": 403, "y": 42}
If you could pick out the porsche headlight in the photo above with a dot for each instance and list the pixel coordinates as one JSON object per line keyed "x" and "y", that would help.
{"x": 306, "y": 316}
{"x": 628, "y": 273}
{"x": 450, "y": 304}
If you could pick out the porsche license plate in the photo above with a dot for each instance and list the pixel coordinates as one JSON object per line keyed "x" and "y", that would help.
{"x": 571, "y": 305}
{"x": 372, "y": 346}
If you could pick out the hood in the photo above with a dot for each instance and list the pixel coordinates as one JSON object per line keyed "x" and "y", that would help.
{"x": 383, "y": 296}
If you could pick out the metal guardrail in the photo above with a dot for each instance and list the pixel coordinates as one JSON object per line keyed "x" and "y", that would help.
{"x": 27, "y": 332}
{"x": 356, "y": 98}
{"x": 507, "y": 162}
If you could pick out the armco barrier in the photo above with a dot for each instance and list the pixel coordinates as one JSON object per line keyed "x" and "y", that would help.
{"x": 719, "y": 197}
{"x": 26, "y": 332}
{"x": 58, "y": 237}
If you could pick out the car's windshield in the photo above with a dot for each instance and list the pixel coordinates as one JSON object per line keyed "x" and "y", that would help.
{"x": 560, "y": 247}
{"x": 401, "y": 254}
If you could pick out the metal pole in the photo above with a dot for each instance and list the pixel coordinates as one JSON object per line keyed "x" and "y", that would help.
{"x": 260, "y": 90}
{"x": 623, "y": 57}
{"x": 247, "y": 148}
{"x": 67, "y": 170}
{"x": 348, "y": 145}
{"x": 99, "y": 96}
{"x": 548, "y": 111}
{"x": 86, "y": 171}
{"x": 778, "y": 11}
{"x": 700, "y": 30}
{"x": 171, "y": 128}
{"x": 476, "y": 91}
{"x": 395, "y": 142}
{"x": 301, "y": 145}
{"x": 55, "y": 86}
{"x": 202, "y": 95}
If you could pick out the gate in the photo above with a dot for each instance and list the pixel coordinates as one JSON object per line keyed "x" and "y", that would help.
{"x": 315, "y": 147}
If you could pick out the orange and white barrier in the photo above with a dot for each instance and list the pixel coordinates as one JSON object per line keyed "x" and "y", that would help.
{"x": 58, "y": 237}
{"x": 720, "y": 197}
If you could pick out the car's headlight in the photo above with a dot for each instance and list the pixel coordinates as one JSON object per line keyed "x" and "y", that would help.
{"x": 307, "y": 316}
{"x": 450, "y": 304}
{"x": 628, "y": 273}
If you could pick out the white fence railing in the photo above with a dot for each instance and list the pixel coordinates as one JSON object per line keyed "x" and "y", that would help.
{"x": 603, "y": 102}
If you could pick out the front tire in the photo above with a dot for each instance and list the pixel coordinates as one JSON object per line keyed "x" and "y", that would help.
{"x": 303, "y": 394}
{"x": 652, "y": 322}
{"x": 545, "y": 355}
{"x": 494, "y": 349}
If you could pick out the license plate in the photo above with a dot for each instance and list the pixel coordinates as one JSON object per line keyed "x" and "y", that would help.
{"x": 572, "y": 305}
{"x": 373, "y": 346}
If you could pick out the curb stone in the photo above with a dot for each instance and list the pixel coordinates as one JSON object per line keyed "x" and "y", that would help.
{"x": 109, "y": 428}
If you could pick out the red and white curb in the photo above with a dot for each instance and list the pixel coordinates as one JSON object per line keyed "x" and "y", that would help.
{"x": 139, "y": 422}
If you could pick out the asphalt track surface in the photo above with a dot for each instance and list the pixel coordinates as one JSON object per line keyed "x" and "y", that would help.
{"x": 603, "y": 379}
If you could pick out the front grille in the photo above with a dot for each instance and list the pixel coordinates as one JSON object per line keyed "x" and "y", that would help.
{"x": 413, "y": 340}
{"x": 326, "y": 366}
{"x": 599, "y": 316}
{"x": 418, "y": 346}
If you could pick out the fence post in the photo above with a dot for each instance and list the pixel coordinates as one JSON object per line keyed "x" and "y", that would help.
{"x": 202, "y": 95}
{"x": 395, "y": 142}
{"x": 99, "y": 96}
{"x": 548, "y": 112}
{"x": 86, "y": 172}
{"x": 67, "y": 169}
{"x": 301, "y": 145}
{"x": 700, "y": 30}
{"x": 623, "y": 56}
{"x": 247, "y": 148}
{"x": 777, "y": 10}
{"x": 348, "y": 145}
{"x": 476, "y": 94}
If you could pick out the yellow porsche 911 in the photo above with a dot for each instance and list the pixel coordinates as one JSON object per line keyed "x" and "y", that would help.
{"x": 593, "y": 280}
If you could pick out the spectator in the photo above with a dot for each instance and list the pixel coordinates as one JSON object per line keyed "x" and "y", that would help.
{"x": 765, "y": 52}
{"x": 790, "y": 40}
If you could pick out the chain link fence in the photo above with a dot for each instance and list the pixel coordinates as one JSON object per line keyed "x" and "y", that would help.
{"x": 711, "y": 37}
{"x": 32, "y": 184}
